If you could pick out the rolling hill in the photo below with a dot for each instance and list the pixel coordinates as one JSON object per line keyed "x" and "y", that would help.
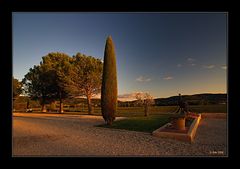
{"x": 196, "y": 99}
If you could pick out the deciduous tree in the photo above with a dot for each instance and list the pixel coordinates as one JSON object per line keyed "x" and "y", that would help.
{"x": 38, "y": 85}
{"x": 17, "y": 88}
{"x": 85, "y": 77}
{"x": 145, "y": 100}
{"x": 59, "y": 65}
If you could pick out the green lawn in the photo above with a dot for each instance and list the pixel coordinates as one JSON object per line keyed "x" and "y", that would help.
{"x": 155, "y": 110}
{"x": 143, "y": 124}
{"x": 159, "y": 115}
{"x": 138, "y": 111}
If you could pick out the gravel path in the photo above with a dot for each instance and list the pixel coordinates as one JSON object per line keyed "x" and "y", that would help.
{"x": 75, "y": 135}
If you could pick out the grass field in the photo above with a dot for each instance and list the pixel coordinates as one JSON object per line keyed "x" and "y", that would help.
{"x": 138, "y": 111}
{"x": 143, "y": 124}
{"x": 136, "y": 121}
{"x": 159, "y": 116}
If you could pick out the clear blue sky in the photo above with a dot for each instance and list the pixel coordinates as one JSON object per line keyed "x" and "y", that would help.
{"x": 161, "y": 53}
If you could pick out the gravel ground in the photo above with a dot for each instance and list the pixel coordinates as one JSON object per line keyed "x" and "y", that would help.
{"x": 75, "y": 135}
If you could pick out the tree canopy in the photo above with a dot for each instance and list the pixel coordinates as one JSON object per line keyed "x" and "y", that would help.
{"x": 59, "y": 76}
{"x": 58, "y": 64}
{"x": 38, "y": 84}
{"x": 17, "y": 87}
{"x": 109, "y": 83}
{"x": 84, "y": 77}
{"x": 145, "y": 100}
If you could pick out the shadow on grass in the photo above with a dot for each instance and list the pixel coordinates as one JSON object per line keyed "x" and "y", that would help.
{"x": 143, "y": 124}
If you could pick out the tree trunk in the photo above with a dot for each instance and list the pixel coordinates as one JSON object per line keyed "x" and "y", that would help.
{"x": 28, "y": 104}
{"x": 61, "y": 106}
{"x": 44, "y": 110}
{"x": 53, "y": 106}
{"x": 109, "y": 122}
{"x": 89, "y": 103}
{"x": 13, "y": 104}
{"x": 145, "y": 110}
{"x": 61, "y": 103}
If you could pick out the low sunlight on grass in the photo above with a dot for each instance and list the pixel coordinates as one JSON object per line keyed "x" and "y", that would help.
{"x": 143, "y": 124}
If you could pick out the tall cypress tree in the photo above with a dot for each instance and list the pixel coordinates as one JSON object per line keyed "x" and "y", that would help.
{"x": 109, "y": 83}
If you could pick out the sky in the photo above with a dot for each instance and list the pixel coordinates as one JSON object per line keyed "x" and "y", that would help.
{"x": 160, "y": 53}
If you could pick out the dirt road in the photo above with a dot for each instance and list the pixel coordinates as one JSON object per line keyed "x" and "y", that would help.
{"x": 75, "y": 135}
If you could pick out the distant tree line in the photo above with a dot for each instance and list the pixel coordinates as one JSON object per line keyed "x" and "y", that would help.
{"x": 211, "y": 99}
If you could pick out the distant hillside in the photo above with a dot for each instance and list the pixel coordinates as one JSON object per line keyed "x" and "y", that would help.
{"x": 196, "y": 99}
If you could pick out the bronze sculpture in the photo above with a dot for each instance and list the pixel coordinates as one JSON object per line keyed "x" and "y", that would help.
{"x": 183, "y": 106}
